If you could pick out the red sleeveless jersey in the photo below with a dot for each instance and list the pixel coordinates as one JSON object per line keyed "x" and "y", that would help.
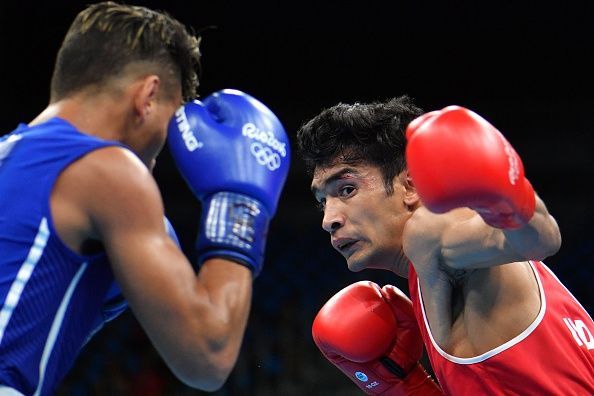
{"x": 553, "y": 356}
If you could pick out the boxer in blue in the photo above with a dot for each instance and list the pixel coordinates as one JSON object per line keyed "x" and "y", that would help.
{"x": 82, "y": 232}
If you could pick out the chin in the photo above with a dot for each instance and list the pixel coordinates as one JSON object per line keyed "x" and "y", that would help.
{"x": 375, "y": 261}
{"x": 356, "y": 266}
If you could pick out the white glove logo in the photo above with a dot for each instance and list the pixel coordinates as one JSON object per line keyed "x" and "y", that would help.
{"x": 265, "y": 137}
{"x": 514, "y": 168}
{"x": 186, "y": 132}
{"x": 265, "y": 156}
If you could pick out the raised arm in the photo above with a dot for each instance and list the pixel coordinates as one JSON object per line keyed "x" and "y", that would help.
{"x": 195, "y": 321}
{"x": 458, "y": 160}
{"x": 229, "y": 149}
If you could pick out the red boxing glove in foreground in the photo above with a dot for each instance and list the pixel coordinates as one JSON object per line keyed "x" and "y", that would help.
{"x": 458, "y": 159}
{"x": 371, "y": 335}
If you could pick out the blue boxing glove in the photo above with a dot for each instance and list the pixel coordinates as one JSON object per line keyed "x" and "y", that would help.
{"x": 234, "y": 154}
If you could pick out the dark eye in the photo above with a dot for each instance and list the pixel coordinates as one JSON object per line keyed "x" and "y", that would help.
{"x": 346, "y": 191}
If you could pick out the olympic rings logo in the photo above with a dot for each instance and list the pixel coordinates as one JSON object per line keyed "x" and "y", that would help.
{"x": 265, "y": 156}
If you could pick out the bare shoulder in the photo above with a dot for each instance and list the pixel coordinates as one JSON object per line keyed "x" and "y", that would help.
{"x": 100, "y": 187}
{"x": 112, "y": 165}
{"x": 424, "y": 236}
{"x": 423, "y": 226}
{"x": 106, "y": 172}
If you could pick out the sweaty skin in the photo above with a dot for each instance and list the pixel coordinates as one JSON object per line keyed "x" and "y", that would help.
{"x": 478, "y": 288}
{"x": 109, "y": 196}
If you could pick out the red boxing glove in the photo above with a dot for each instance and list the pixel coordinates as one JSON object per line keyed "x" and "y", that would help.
{"x": 372, "y": 336}
{"x": 456, "y": 158}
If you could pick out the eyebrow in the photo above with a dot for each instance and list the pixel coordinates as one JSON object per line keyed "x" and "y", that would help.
{"x": 339, "y": 174}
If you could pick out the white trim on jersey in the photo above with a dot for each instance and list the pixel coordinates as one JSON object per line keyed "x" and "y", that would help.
{"x": 56, "y": 325}
{"x": 500, "y": 348}
{"x": 23, "y": 276}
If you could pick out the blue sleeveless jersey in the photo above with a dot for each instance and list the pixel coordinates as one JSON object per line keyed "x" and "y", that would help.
{"x": 51, "y": 298}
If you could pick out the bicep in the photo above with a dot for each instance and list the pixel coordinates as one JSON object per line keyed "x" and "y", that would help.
{"x": 126, "y": 213}
{"x": 139, "y": 248}
{"x": 155, "y": 278}
{"x": 467, "y": 242}
{"x": 194, "y": 322}
{"x": 458, "y": 239}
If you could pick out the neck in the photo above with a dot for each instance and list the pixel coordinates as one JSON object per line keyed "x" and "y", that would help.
{"x": 401, "y": 261}
{"x": 100, "y": 115}
{"x": 400, "y": 265}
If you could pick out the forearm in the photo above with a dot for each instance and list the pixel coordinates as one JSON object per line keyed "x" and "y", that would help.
{"x": 195, "y": 321}
{"x": 237, "y": 207}
{"x": 539, "y": 238}
{"x": 229, "y": 288}
{"x": 467, "y": 242}
{"x": 217, "y": 321}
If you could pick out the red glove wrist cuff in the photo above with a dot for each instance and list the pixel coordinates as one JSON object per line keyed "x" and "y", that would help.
{"x": 416, "y": 383}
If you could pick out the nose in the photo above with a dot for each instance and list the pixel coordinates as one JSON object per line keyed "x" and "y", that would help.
{"x": 333, "y": 218}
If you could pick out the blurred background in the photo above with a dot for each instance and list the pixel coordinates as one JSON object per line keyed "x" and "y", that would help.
{"x": 527, "y": 67}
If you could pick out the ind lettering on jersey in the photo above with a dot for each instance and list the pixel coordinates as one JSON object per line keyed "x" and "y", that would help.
{"x": 7, "y": 145}
{"x": 581, "y": 334}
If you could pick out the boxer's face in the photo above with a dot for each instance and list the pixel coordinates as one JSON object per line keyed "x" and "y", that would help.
{"x": 164, "y": 109}
{"x": 364, "y": 222}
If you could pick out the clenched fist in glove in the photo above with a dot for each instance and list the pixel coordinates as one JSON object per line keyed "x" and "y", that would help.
{"x": 458, "y": 159}
{"x": 234, "y": 154}
{"x": 371, "y": 335}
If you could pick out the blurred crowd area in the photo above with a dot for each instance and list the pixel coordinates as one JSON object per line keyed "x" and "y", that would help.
{"x": 278, "y": 356}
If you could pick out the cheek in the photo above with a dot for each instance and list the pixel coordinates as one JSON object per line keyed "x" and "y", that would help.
{"x": 158, "y": 138}
{"x": 386, "y": 224}
{"x": 163, "y": 124}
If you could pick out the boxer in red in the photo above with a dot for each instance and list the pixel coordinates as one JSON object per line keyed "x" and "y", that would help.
{"x": 441, "y": 199}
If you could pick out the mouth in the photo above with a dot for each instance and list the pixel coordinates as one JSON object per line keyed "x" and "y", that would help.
{"x": 344, "y": 246}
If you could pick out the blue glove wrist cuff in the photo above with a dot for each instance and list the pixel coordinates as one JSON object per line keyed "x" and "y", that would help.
{"x": 233, "y": 226}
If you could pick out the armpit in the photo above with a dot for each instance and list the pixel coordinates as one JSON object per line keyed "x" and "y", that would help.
{"x": 457, "y": 277}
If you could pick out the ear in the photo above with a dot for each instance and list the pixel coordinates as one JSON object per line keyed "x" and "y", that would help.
{"x": 411, "y": 198}
{"x": 145, "y": 96}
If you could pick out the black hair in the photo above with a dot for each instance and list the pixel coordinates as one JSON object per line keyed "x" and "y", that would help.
{"x": 369, "y": 133}
{"x": 107, "y": 37}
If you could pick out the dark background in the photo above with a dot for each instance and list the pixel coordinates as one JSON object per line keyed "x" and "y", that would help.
{"x": 527, "y": 68}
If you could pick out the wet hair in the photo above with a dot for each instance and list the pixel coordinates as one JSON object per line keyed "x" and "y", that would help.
{"x": 359, "y": 133}
{"x": 106, "y": 39}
